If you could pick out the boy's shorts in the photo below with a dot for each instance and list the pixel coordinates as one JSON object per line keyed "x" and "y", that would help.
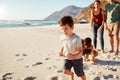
{"x": 114, "y": 28}
{"x": 76, "y": 64}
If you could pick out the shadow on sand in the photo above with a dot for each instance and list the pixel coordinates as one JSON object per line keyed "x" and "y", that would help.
{"x": 111, "y": 63}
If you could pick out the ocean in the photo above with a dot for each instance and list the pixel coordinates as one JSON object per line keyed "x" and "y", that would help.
{"x": 25, "y": 23}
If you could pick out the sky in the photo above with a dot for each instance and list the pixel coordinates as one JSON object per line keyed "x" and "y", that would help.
{"x": 35, "y": 9}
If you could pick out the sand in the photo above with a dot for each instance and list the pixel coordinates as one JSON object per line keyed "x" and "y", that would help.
{"x": 32, "y": 54}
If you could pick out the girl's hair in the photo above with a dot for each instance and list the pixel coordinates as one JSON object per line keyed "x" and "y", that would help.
{"x": 66, "y": 20}
{"x": 87, "y": 42}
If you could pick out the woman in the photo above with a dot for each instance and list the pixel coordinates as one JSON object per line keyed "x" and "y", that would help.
{"x": 97, "y": 24}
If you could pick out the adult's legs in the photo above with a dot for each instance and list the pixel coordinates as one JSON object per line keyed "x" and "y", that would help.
{"x": 117, "y": 44}
{"x": 117, "y": 30}
{"x": 111, "y": 43}
{"x": 95, "y": 28}
{"x": 101, "y": 37}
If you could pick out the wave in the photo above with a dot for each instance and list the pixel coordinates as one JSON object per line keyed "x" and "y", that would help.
{"x": 25, "y": 23}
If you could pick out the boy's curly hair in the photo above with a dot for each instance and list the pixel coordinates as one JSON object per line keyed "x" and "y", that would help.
{"x": 66, "y": 20}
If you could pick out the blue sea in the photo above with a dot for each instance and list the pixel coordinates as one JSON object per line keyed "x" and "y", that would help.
{"x": 25, "y": 23}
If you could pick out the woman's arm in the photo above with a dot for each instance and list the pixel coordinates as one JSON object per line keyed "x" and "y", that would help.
{"x": 103, "y": 21}
{"x": 92, "y": 21}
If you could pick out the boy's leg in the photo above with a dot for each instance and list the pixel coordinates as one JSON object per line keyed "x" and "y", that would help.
{"x": 83, "y": 77}
{"x": 78, "y": 68}
{"x": 71, "y": 74}
{"x": 67, "y": 69}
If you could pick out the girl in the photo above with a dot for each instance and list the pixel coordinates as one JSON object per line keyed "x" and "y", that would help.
{"x": 88, "y": 49}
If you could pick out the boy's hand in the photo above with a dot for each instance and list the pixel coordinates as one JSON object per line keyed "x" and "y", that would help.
{"x": 60, "y": 54}
{"x": 69, "y": 56}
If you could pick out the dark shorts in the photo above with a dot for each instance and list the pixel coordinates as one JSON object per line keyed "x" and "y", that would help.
{"x": 76, "y": 64}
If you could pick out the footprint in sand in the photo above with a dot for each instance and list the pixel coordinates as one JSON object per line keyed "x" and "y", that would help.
{"x": 30, "y": 78}
{"x": 86, "y": 66}
{"x": 21, "y": 56}
{"x": 52, "y": 67}
{"x": 59, "y": 71}
{"x": 97, "y": 78}
{"x": 17, "y": 54}
{"x": 38, "y": 63}
{"x": 24, "y": 54}
{"x": 20, "y": 59}
{"x": 27, "y": 66}
{"x": 47, "y": 58}
{"x": 7, "y": 76}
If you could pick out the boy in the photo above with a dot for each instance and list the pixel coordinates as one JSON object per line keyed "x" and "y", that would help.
{"x": 71, "y": 49}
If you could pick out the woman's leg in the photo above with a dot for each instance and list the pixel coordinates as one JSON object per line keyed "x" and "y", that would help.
{"x": 101, "y": 37}
{"x": 95, "y": 28}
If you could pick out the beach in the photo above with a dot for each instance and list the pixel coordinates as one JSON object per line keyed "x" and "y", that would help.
{"x": 32, "y": 54}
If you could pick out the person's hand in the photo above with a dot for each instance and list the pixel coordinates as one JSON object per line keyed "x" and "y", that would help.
{"x": 107, "y": 28}
{"x": 90, "y": 28}
{"x": 60, "y": 54}
{"x": 100, "y": 28}
{"x": 69, "y": 56}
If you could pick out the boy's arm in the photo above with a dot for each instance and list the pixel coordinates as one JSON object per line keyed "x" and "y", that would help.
{"x": 77, "y": 53}
{"x": 61, "y": 51}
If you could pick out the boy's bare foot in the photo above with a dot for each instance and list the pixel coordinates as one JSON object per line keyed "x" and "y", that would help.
{"x": 111, "y": 51}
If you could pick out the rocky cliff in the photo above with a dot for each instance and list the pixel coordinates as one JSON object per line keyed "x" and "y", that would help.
{"x": 86, "y": 13}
